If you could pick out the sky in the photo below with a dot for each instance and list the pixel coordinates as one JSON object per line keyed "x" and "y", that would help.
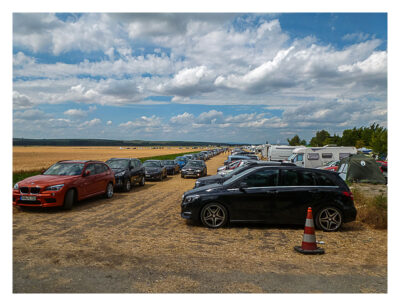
{"x": 221, "y": 77}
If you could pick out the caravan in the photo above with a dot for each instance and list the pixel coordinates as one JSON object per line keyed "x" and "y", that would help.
{"x": 280, "y": 153}
{"x": 318, "y": 156}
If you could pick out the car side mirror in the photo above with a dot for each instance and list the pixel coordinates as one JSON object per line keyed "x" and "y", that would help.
{"x": 242, "y": 186}
{"x": 86, "y": 173}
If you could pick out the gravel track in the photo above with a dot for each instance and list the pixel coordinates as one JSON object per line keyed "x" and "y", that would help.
{"x": 137, "y": 242}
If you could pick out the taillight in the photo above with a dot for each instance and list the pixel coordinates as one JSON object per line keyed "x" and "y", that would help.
{"x": 348, "y": 194}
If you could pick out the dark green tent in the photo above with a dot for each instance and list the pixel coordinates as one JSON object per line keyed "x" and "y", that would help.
{"x": 361, "y": 168}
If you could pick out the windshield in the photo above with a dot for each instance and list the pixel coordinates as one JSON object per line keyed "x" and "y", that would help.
{"x": 118, "y": 163}
{"x": 235, "y": 177}
{"x": 65, "y": 169}
{"x": 291, "y": 156}
{"x": 152, "y": 164}
{"x": 195, "y": 164}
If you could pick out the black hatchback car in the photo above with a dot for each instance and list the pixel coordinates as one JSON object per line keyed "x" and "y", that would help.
{"x": 194, "y": 168}
{"x": 275, "y": 195}
{"x": 155, "y": 170}
{"x": 172, "y": 166}
{"x": 127, "y": 172}
{"x": 247, "y": 164}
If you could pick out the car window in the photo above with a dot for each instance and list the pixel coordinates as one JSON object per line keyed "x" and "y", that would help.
{"x": 299, "y": 157}
{"x": 262, "y": 178}
{"x": 99, "y": 168}
{"x": 306, "y": 178}
{"x": 91, "y": 168}
{"x": 289, "y": 178}
{"x": 323, "y": 180}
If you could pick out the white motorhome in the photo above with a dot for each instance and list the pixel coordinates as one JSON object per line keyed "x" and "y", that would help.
{"x": 318, "y": 156}
{"x": 280, "y": 153}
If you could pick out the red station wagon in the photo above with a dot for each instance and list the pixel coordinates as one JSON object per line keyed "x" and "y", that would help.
{"x": 64, "y": 183}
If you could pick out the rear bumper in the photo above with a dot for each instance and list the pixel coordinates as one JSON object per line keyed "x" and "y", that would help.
{"x": 349, "y": 214}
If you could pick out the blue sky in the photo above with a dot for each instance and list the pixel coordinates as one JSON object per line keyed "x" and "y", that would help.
{"x": 206, "y": 77}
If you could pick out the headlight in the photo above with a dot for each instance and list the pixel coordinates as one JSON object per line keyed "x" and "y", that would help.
{"x": 55, "y": 187}
{"x": 120, "y": 173}
{"x": 16, "y": 186}
{"x": 190, "y": 199}
{"x": 198, "y": 170}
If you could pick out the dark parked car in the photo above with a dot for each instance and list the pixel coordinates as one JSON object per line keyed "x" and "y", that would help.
{"x": 275, "y": 195}
{"x": 65, "y": 183}
{"x": 127, "y": 171}
{"x": 246, "y": 164}
{"x": 194, "y": 168}
{"x": 155, "y": 170}
{"x": 172, "y": 166}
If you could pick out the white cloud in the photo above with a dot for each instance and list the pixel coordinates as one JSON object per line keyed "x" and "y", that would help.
{"x": 109, "y": 122}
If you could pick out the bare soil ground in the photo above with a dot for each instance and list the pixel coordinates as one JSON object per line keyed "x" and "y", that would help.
{"x": 37, "y": 157}
{"x": 137, "y": 242}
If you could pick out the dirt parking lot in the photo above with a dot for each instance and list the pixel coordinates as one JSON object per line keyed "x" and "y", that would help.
{"x": 137, "y": 242}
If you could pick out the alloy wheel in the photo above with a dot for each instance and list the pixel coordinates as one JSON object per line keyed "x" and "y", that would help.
{"x": 110, "y": 190}
{"x": 214, "y": 215}
{"x": 330, "y": 219}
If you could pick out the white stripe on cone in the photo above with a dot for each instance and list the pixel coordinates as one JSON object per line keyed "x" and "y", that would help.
{"x": 309, "y": 223}
{"x": 309, "y": 238}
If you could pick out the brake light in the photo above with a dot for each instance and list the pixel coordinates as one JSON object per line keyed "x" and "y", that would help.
{"x": 348, "y": 194}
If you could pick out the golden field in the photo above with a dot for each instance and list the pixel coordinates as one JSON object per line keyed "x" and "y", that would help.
{"x": 37, "y": 157}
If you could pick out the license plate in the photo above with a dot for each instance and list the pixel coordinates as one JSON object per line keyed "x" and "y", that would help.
{"x": 28, "y": 198}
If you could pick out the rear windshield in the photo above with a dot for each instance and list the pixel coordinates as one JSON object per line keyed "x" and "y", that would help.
{"x": 65, "y": 169}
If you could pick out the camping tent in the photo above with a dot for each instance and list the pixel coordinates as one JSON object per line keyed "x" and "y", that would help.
{"x": 360, "y": 168}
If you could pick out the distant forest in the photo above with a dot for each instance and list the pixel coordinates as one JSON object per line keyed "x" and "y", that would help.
{"x": 107, "y": 142}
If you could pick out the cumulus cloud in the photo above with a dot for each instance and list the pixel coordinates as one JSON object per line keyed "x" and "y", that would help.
{"x": 189, "y": 81}
{"x": 31, "y": 114}
{"x": 21, "y": 101}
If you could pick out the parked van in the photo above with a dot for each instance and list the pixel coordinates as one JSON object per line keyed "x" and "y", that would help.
{"x": 314, "y": 157}
{"x": 280, "y": 153}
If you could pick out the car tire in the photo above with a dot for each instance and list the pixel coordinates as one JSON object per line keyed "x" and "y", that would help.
{"x": 69, "y": 199}
{"x": 142, "y": 181}
{"x": 329, "y": 219}
{"x": 214, "y": 215}
{"x": 127, "y": 185}
{"x": 109, "y": 191}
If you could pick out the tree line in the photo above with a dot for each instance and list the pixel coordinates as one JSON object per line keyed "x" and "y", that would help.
{"x": 373, "y": 137}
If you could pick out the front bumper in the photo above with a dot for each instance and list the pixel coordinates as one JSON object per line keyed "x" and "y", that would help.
{"x": 50, "y": 199}
{"x": 191, "y": 174}
{"x": 153, "y": 176}
{"x": 190, "y": 211}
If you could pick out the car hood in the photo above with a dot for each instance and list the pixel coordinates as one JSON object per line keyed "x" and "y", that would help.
{"x": 216, "y": 178}
{"x": 204, "y": 189}
{"x": 118, "y": 170}
{"x": 193, "y": 168}
{"x": 45, "y": 180}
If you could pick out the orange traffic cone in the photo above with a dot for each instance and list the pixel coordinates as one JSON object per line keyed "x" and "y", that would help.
{"x": 309, "y": 244}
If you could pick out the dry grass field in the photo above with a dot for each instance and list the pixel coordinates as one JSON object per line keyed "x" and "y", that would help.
{"x": 37, "y": 157}
{"x": 137, "y": 242}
